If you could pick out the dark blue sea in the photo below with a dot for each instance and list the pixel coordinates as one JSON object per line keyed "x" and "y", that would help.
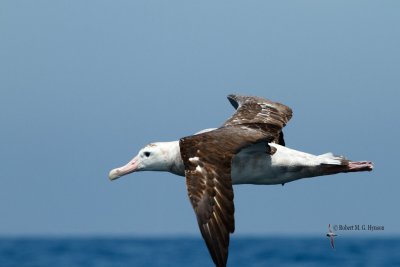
{"x": 269, "y": 251}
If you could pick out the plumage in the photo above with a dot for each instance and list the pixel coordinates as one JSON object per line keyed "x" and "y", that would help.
{"x": 208, "y": 178}
{"x": 248, "y": 148}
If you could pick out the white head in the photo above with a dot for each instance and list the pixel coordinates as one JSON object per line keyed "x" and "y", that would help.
{"x": 153, "y": 157}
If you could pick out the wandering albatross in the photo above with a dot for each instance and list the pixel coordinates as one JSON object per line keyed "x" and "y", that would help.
{"x": 247, "y": 149}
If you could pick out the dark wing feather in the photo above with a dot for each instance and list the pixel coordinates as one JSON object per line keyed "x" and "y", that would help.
{"x": 207, "y": 158}
{"x": 214, "y": 208}
{"x": 260, "y": 113}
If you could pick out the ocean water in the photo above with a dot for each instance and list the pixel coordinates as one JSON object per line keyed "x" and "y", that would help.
{"x": 269, "y": 251}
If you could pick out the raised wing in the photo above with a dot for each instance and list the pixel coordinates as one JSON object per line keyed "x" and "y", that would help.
{"x": 260, "y": 113}
{"x": 207, "y": 158}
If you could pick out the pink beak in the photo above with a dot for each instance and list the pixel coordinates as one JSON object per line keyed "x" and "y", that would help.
{"x": 130, "y": 167}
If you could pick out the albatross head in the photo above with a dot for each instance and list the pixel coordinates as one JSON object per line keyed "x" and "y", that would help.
{"x": 153, "y": 157}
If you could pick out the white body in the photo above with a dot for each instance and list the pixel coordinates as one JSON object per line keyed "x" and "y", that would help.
{"x": 252, "y": 165}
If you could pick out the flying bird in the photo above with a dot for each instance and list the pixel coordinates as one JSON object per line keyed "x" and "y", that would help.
{"x": 331, "y": 235}
{"x": 248, "y": 148}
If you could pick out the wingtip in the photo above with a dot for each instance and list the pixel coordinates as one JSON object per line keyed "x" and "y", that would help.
{"x": 233, "y": 100}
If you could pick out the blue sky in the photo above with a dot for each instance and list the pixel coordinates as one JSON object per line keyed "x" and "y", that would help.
{"x": 85, "y": 84}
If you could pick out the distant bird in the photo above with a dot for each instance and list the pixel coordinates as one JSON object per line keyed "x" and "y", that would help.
{"x": 331, "y": 235}
{"x": 247, "y": 149}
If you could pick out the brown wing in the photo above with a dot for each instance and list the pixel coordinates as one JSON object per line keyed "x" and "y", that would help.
{"x": 207, "y": 158}
{"x": 260, "y": 113}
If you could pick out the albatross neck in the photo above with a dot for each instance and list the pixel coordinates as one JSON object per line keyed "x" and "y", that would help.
{"x": 174, "y": 158}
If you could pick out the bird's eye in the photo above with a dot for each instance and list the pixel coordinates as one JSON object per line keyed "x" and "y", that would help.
{"x": 147, "y": 154}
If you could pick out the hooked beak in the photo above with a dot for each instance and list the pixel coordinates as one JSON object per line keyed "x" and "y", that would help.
{"x": 130, "y": 167}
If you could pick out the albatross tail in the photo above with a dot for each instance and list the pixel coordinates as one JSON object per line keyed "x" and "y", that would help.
{"x": 358, "y": 166}
{"x": 335, "y": 164}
